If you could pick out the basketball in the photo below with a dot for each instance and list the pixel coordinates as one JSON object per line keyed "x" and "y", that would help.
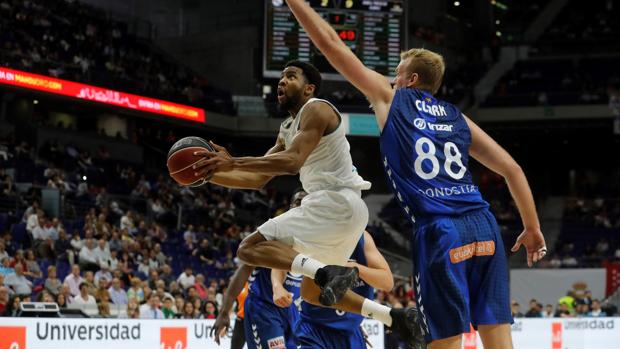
{"x": 181, "y": 158}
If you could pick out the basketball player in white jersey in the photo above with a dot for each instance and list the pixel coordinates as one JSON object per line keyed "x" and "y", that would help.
{"x": 316, "y": 238}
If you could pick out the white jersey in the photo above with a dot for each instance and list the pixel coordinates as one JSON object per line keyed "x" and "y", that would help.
{"x": 329, "y": 166}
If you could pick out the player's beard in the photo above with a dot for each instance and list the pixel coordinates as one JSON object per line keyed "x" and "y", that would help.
{"x": 290, "y": 101}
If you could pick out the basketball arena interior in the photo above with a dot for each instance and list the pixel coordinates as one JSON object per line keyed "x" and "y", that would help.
{"x": 100, "y": 248}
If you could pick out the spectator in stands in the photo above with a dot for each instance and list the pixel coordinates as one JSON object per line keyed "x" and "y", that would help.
{"x": 190, "y": 233}
{"x": 2, "y": 280}
{"x": 74, "y": 280}
{"x": 205, "y": 253}
{"x": 201, "y": 288}
{"x": 102, "y": 252}
{"x": 41, "y": 240}
{"x": 46, "y": 297}
{"x": 115, "y": 242}
{"x": 151, "y": 310}
{"x": 168, "y": 309}
{"x": 167, "y": 274}
{"x": 516, "y": 312}
{"x": 186, "y": 279}
{"x": 4, "y": 299}
{"x": 32, "y": 209}
{"x": 179, "y": 304}
{"x": 596, "y": 309}
{"x": 5, "y": 268}
{"x": 188, "y": 311}
{"x": 562, "y": 310}
{"x": 86, "y": 300}
{"x": 18, "y": 282}
{"x": 127, "y": 222}
{"x": 136, "y": 291}
{"x": 34, "y": 220}
{"x": 52, "y": 283}
{"x": 582, "y": 309}
{"x": 88, "y": 257}
{"x": 102, "y": 294}
{"x": 535, "y": 309}
{"x": 61, "y": 300}
{"x": 210, "y": 310}
{"x": 103, "y": 273}
{"x": 34, "y": 271}
{"x": 118, "y": 295}
{"x": 104, "y": 309}
{"x": 3, "y": 253}
{"x": 13, "y": 307}
{"x": 63, "y": 249}
{"x": 133, "y": 309}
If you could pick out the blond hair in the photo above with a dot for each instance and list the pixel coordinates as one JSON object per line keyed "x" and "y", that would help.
{"x": 429, "y": 66}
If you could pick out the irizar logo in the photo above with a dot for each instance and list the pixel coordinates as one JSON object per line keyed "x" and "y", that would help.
{"x": 421, "y": 124}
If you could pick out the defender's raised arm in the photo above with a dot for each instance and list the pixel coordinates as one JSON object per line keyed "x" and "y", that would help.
{"x": 373, "y": 85}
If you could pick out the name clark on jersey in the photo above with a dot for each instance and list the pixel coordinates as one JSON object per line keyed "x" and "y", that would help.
{"x": 434, "y": 110}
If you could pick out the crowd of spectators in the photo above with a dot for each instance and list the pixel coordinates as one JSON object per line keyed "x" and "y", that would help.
{"x": 75, "y": 41}
{"x": 577, "y": 302}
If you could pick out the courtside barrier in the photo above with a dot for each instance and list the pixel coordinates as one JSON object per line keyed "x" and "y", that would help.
{"x": 66, "y": 333}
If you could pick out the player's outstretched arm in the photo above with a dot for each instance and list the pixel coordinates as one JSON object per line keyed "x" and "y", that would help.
{"x": 377, "y": 273}
{"x": 236, "y": 179}
{"x": 315, "y": 119}
{"x": 484, "y": 149}
{"x": 237, "y": 282}
{"x": 281, "y": 296}
{"x": 373, "y": 85}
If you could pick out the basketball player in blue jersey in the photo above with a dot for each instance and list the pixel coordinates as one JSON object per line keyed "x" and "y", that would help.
{"x": 271, "y": 314}
{"x": 317, "y": 238}
{"x": 325, "y": 328}
{"x": 461, "y": 274}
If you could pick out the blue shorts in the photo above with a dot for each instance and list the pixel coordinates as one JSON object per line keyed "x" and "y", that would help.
{"x": 318, "y": 337}
{"x": 460, "y": 274}
{"x": 268, "y": 326}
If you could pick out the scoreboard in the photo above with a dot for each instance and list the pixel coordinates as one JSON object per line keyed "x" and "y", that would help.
{"x": 372, "y": 29}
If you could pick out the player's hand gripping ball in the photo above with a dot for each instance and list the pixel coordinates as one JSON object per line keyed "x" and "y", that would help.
{"x": 181, "y": 161}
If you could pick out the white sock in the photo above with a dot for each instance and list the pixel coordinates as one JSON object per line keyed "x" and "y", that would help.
{"x": 374, "y": 310}
{"x": 305, "y": 265}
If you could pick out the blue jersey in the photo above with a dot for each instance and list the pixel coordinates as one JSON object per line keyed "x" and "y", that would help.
{"x": 267, "y": 325}
{"x": 261, "y": 288}
{"x": 336, "y": 319}
{"x": 424, "y": 148}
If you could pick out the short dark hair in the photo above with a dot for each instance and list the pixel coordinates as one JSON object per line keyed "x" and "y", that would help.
{"x": 312, "y": 74}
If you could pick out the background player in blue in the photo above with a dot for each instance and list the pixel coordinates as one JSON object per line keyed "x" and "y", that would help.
{"x": 325, "y": 328}
{"x": 461, "y": 272}
{"x": 270, "y": 311}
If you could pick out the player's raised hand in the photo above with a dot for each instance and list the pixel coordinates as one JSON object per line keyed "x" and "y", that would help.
{"x": 282, "y": 297}
{"x": 534, "y": 242}
{"x": 220, "y": 327}
{"x": 219, "y": 160}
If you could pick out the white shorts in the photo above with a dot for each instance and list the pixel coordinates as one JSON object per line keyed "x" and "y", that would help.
{"x": 326, "y": 226}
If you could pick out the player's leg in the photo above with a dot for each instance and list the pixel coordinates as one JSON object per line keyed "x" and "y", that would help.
{"x": 257, "y": 251}
{"x": 402, "y": 321}
{"x": 264, "y": 326}
{"x": 333, "y": 280}
{"x": 238, "y": 337}
{"x": 440, "y": 282}
{"x": 496, "y": 336}
{"x": 453, "y": 342}
{"x": 490, "y": 303}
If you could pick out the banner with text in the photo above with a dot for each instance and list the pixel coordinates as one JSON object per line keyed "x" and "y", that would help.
{"x": 63, "y": 333}
{"x": 99, "y": 95}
